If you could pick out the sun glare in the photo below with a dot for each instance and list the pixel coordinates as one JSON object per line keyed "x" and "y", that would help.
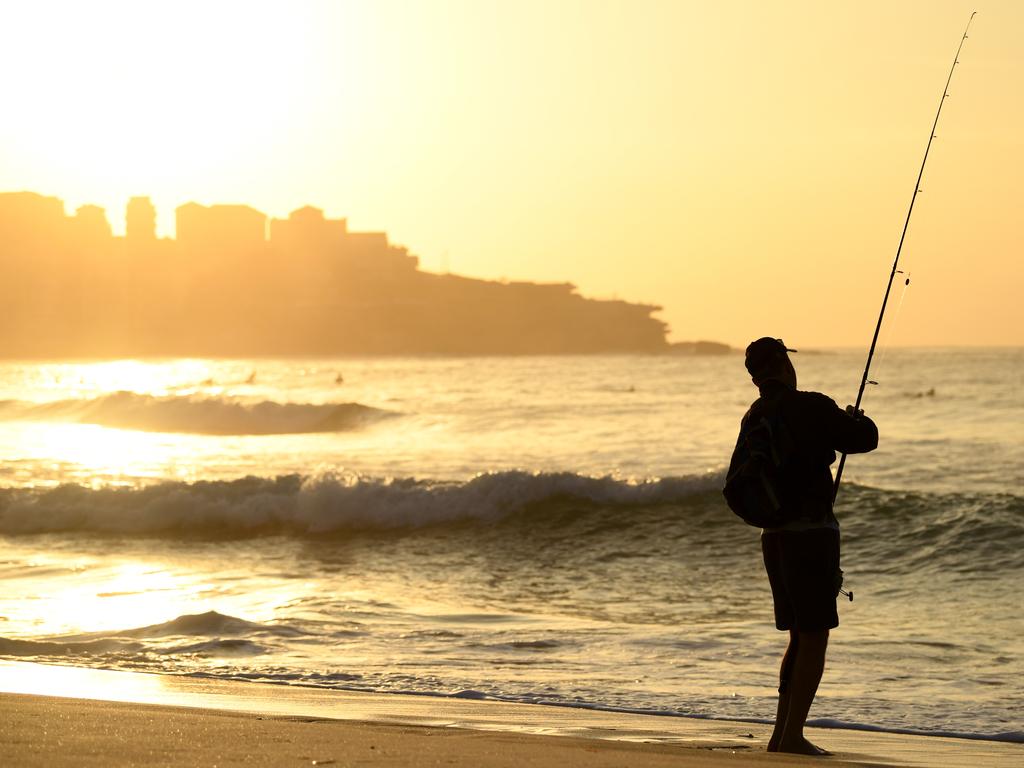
{"x": 97, "y": 455}
{"x": 78, "y": 682}
{"x": 147, "y": 378}
{"x": 132, "y": 97}
{"x": 70, "y": 593}
{"x": 125, "y": 598}
{"x": 105, "y": 455}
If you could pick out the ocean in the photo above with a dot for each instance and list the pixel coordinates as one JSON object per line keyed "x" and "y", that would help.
{"x": 533, "y": 529}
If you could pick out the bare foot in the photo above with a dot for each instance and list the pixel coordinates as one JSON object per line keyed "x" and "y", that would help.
{"x": 800, "y": 747}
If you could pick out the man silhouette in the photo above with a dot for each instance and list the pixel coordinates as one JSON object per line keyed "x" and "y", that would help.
{"x": 801, "y": 557}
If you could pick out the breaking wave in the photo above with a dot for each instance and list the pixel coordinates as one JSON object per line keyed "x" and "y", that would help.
{"x": 196, "y": 414}
{"x": 205, "y": 634}
{"x": 897, "y": 529}
{"x": 209, "y": 624}
{"x": 325, "y": 504}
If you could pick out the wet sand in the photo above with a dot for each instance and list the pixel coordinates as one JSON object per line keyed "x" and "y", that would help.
{"x": 44, "y": 731}
{"x": 124, "y": 719}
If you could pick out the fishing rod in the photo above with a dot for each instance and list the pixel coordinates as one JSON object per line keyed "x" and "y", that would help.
{"x": 895, "y": 264}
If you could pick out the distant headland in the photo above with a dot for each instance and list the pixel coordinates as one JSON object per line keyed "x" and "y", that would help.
{"x": 232, "y": 283}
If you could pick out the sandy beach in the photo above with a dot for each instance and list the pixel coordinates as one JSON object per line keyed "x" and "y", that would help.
{"x": 56, "y": 716}
{"x": 45, "y": 731}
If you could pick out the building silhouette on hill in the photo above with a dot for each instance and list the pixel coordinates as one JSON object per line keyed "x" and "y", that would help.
{"x": 140, "y": 220}
{"x": 219, "y": 226}
{"x": 232, "y": 283}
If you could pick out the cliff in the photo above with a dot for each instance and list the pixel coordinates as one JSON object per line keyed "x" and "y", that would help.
{"x": 224, "y": 287}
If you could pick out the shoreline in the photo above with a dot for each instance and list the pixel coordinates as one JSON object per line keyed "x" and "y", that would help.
{"x": 48, "y": 731}
{"x": 112, "y": 715}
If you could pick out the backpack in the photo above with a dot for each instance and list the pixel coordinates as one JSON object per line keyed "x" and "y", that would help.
{"x": 755, "y": 487}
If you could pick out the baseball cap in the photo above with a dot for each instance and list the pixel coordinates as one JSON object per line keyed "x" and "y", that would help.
{"x": 762, "y": 352}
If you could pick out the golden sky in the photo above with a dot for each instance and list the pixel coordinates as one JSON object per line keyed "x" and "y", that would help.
{"x": 747, "y": 165}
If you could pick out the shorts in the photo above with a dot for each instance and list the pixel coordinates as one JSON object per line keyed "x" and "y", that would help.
{"x": 803, "y": 568}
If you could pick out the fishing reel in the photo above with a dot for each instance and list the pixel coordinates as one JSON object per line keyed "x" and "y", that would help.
{"x": 839, "y": 585}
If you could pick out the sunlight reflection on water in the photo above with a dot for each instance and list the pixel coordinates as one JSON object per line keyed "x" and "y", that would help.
{"x": 78, "y": 682}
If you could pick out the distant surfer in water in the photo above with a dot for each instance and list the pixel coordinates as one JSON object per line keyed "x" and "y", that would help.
{"x": 801, "y": 555}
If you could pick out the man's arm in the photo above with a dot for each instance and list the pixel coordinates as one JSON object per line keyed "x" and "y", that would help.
{"x": 847, "y": 431}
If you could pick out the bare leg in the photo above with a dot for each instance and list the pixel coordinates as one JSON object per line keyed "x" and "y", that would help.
{"x": 782, "y": 710}
{"x": 805, "y": 674}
